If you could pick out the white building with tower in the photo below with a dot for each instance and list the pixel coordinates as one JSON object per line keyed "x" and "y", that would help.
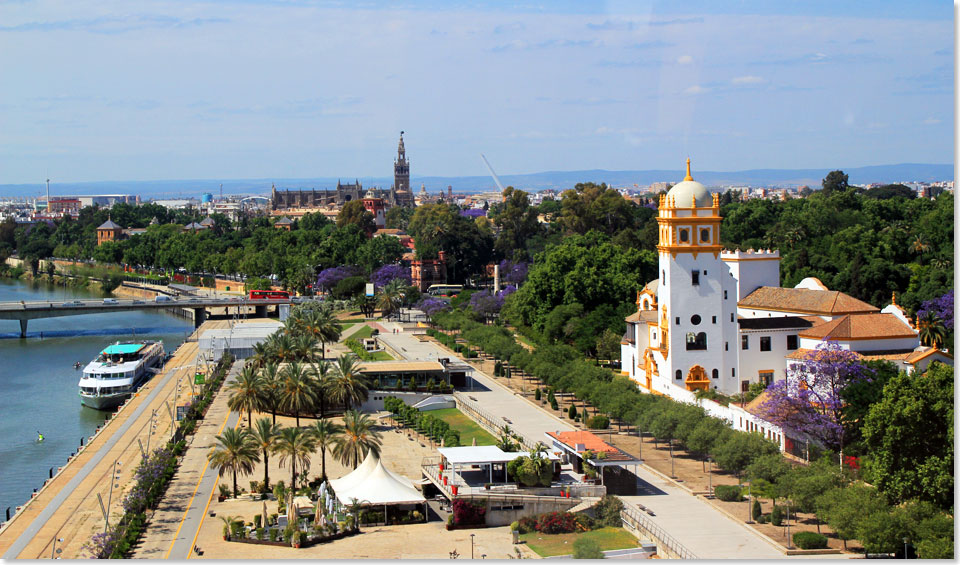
{"x": 718, "y": 319}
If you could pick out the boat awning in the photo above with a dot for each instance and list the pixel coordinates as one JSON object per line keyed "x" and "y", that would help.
{"x": 123, "y": 348}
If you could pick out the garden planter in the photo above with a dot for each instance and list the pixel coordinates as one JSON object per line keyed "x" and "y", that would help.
{"x": 455, "y": 489}
{"x": 444, "y": 481}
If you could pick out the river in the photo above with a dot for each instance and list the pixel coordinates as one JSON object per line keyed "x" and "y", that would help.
{"x": 38, "y": 383}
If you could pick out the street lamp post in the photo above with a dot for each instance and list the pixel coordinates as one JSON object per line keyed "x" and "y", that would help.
{"x": 471, "y": 545}
{"x": 789, "y": 545}
{"x": 53, "y": 550}
{"x": 710, "y": 474}
{"x": 906, "y": 555}
{"x": 749, "y": 507}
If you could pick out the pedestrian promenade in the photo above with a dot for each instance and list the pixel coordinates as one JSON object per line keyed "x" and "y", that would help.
{"x": 702, "y": 529}
{"x": 174, "y": 525}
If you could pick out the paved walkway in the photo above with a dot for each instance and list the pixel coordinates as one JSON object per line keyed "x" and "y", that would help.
{"x": 174, "y": 526}
{"x": 701, "y": 528}
{"x": 67, "y": 508}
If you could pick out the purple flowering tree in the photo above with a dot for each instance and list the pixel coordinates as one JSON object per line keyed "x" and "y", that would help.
{"x": 487, "y": 304}
{"x": 473, "y": 213}
{"x": 809, "y": 399}
{"x": 328, "y": 278}
{"x": 431, "y": 306}
{"x": 101, "y": 544}
{"x": 514, "y": 273}
{"x": 942, "y": 307}
{"x": 388, "y": 273}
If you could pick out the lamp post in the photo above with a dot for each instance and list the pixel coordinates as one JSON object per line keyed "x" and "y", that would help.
{"x": 789, "y": 545}
{"x": 710, "y": 474}
{"x": 640, "y": 449}
{"x": 113, "y": 478}
{"x": 906, "y": 540}
{"x": 749, "y": 507}
{"x": 53, "y": 550}
{"x": 471, "y": 545}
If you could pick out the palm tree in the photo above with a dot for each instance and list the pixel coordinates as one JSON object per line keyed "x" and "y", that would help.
{"x": 247, "y": 393}
{"x": 283, "y": 348}
{"x": 354, "y": 509}
{"x": 272, "y": 383}
{"x": 325, "y": 433}
{"x": 264, "y": 435}
{"x": 348, "y": 385}
{"x": 321, "y": 382}
{"x": 304, "y": 345}
{"x": 357, "y": 439}
{"x": 323, "y": 326}
{"x": 391, "y": 298}
{"x": 261, "y": 354}
{"x": 236, "y": 452}
{"x": 932, "y": 331}
{"x": 295, "y": 445}
{"x": 297, "y": 394}
{"x": 920, "y": 246}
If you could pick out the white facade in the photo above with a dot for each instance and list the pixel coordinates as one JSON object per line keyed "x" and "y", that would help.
{"x": 691, "y": 333}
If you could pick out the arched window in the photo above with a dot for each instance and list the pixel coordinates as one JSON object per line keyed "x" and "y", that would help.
{"x": 696, "y": 342}
{"x": 684, "y": 236}
{"x": 679, "y": 374}
{"x": 716, "y": 374}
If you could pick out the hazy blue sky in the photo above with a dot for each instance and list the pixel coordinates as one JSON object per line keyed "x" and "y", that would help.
{"x": 111, "y": 90}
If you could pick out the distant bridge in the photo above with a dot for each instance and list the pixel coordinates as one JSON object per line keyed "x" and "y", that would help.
{"x": 25, "y": 311}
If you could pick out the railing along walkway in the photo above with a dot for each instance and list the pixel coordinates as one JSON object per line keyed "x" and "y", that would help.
{"x": 631, "y": 514}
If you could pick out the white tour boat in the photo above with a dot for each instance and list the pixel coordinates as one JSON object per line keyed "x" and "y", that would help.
{"x": 118, "y": 372}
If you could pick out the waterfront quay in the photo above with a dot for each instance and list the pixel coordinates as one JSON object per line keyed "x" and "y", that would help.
{"x": 65, "y": 513}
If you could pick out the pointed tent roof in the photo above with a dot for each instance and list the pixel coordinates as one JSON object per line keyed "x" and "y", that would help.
{"x": 110, "y": 225}
{"x": 357, "y": 475}
{"x": 380, "y": 486}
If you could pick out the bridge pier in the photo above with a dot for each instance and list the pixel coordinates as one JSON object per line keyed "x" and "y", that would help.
{"x": 23, "y": 329}
{"x": 199, "y": 317}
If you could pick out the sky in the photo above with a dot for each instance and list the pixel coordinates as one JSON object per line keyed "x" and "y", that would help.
{"x": 151, "y": 90}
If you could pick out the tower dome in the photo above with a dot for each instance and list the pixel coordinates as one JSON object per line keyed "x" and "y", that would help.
{"x": 683, "y": 193}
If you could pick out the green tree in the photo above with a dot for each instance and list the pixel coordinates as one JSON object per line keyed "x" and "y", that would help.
{"x": 348, "y": 385}
{"x": 846, "y": 508}
{"x": 264, "y": 435}
{"x": 247, "y": 393}
{"x": 932, "y": 330}
{"x": 517, "y": 223}
{"x": 909, "y": 435}
{"x": 297, "y": 394}
{"x": 235, "y": 452}
{"x": 835, "y": 181}
{"x": 354, "y": 213}
{"x": 740, "y": 450}
{"x": 358, "y": 438}
{"x": 325, "y": 432}
{"x": 295, "y": 445}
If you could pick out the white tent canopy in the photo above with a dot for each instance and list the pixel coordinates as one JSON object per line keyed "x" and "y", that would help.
{"x": 375, "y": 484}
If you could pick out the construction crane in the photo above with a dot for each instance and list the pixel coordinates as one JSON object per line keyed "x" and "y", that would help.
{"x": 496, "y": 179}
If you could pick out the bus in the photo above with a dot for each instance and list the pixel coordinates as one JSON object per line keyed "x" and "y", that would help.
{"x": 269, "y": 295}
{"x": 445, "y": 289}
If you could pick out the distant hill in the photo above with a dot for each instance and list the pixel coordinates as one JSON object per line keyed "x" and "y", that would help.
{"x": 557, "y": 180}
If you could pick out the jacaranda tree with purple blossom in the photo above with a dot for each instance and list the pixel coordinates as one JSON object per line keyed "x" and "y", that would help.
{"x": 488, "y": 304}
{"x": 514, "y": 272}
{"x": 809, "y": 400}
{"x": 431, "y": 306}
{"x": 389, "y": 273}
{"x": 328, "y": 278}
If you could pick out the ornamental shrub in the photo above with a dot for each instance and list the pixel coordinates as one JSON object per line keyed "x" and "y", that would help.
{"x": 527, "y": 524}
{"x": 810, "y": 540}
{"x": 556, "y": 523}
{"x": 585, "y": 548}
{"x": 756, "y": 511}
{"x": 776, "y": 517}
{"x": 537, "y": 394}
{"x": 514, "y": 526}
{"x": 598, "y": 422}
{"x": 467, "y": 512}
{"x": 728, "y": 493}
{"x": 572, "y": 412}
{"x": 553, "y": 403}
{"x": 608, "y": 511}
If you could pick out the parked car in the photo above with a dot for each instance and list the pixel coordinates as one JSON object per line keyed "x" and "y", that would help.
{"x": 110, "y": 301}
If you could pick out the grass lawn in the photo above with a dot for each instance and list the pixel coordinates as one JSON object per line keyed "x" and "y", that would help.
{"x": 363, "y": 333}
{"x": 381, "y": 356}
{"x": 547, "y": 545}
{"x": 345, "y": 327}
{"x": 468, "y": 428}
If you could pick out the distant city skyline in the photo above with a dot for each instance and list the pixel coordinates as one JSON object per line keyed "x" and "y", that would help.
{"x": 304, "y": 89}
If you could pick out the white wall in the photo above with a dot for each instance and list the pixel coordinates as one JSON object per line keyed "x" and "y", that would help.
{"x": 752, "y": 361}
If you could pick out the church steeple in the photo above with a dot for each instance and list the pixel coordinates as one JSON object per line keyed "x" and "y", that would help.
{"x": 401, "y": 168}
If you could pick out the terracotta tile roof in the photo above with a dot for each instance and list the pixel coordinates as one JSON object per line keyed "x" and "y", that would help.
{"x": 924, "y": 352}
{"x": 635, "y": 317}
{"x": 799, "y": 353}
{"x": 591, "y": 442}
{"x": 801, "y": 300}
{"x": 904, "y": 355}
{"x": 753, "y": 406}
{"x": 861, "y": 326}
{"x": 642, "y": 316}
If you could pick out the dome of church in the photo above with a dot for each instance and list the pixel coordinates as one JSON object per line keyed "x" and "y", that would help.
{"x": 685, "y": 191}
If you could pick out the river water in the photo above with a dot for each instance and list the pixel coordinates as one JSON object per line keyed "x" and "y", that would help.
{"x": 38, "y": 383}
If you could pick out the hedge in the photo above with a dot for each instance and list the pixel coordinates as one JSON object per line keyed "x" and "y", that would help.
{"x": 728, "y": 493}
{"x": 810, "y": 540}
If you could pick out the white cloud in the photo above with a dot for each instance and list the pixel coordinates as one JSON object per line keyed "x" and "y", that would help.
{"x": 696, "y": 89}
{"x": 748, "y": 79}
{"x": 684, "y": 59}
{"x": 931, "y": 121}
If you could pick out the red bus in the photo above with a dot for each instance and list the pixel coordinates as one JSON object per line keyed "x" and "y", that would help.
{"x": 269, "y": 295}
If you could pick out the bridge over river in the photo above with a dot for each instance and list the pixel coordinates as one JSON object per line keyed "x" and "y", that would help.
{"x": 25, "y": 311}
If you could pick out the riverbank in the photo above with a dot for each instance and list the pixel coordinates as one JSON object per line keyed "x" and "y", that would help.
{"x": 67, "y": 506}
